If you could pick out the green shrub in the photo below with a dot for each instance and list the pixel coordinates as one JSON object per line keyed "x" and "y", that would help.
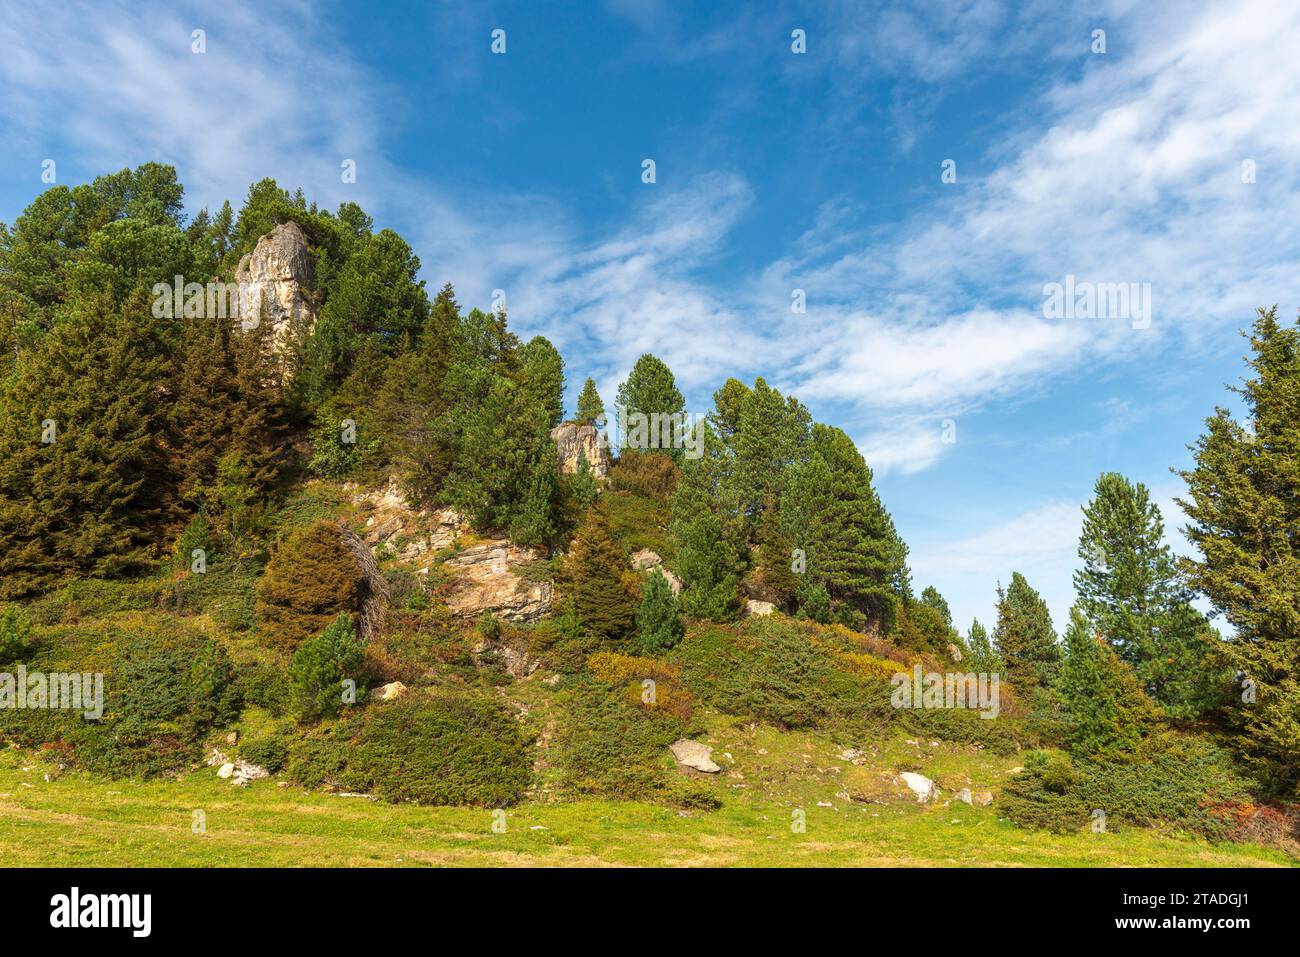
{"x": 638, "y": 522}
{"x": 197, "y": 534}
{"x": 1001, "y": 735}
{"x": 15, "y": 634}
{"x": 164, "y": 693}
{"x": 271, "y": 752}
{"x": 658, "y": 624}
{"x": 773, "y": 671}
{"x": 416, "y": 644}
{"x": 445, "y": 748}
{"x": 1172, "y": 780}
{"x": 267, "y": 687}
{"x": 320, "y": 758}
{"x": 651, "y": 475}
{"x": 96, "y": 598}
{"x": 607, "y": 747}
{"x": 227, "y": 591}
{"x": 321, "y": 667}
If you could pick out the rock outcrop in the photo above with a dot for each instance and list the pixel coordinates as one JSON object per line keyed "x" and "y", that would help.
{"x": 389, "y": 692}
{"x": 645, "y": 560}
{"x": 482, "y": 578}
{"x": 758, "y": 609}
{"x": 574, "y": 440}
{"x": 510, "y": 650}
{"x": 238, "y": 771}
{"x": 413, "y": 535}
{"x": 485, "y": 578}
{"x": 275, "y": 287}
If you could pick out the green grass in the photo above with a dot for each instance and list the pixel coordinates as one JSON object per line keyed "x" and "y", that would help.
{"x": 78, "y": 820}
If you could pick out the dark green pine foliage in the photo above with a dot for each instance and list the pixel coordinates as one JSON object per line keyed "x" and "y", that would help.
{"x": 1109, "y": 712}
{"x": 321, "y": 667}
{"x": 49, "y": 238}
{"x": 205, "y": 399}
{"x": 543, "y": 376}
{"x": 1024, "y": 637}
{"x": 771, "y": 433}
{"x": 409, "y": 415}
{"x": 591, "y": 409}
{"x": 227, "y": 402}
{"x": 650, "y": 389}
{"x": 982, "y": 656}
{"x": 706, "y": 556}
{"x": 90, "y": 501}
{"x": 1243, "y": 502}
{"x": 861, "y": 558}
{"x": 930, "y": 597}
{"x": 601, "y": 601}
{"x": 504, "y": 473}
{"x": 377, "y": 305}
{"x": 775, "y": 557}
{"x": 658, "y": 624}
{"x": 1130, "y": 591}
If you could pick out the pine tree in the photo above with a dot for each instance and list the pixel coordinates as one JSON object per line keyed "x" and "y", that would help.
{"x": 205, "y": 396}
{"x": 1128, "y": 590}
{"x": 1243, "y": 502}
{"x": 601, "y": 600}
{"x": 410, "y": 413}
{"x": 930, "y": 597}
{"x": 982, "y": 656}
{"x": 1109, "y": 712}
{"x": 504, "y": 475}
{"x": 771, "y": 433}
{"x": 311, "y": 578}
{"x": 82, "y": 473}
{"x": 860, "y": 555}
{"x": 376, "y": 302}
{"x": 322, "y": 664}
{"x": 1024, "y": 638}
{"x": 543, "y": 376}
{"x": 650, "y": 390}
{"x": 706, "y": 553}
{"x": 257, "y": 414}
{"x": 591, "y": 410}
{"x": 776, "y": 557}
{"x": 706, "y": 562}
{"x": 658, "y": 624}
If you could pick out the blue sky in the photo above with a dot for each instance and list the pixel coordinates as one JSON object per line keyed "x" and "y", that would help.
{"x": 775, "y": 171}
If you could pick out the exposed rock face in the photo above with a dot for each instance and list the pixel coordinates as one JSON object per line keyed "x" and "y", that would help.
{"x": 414, "y": 535}
{"x": 692, "y": 754}
{"x": 484, "y": 579}
{"x": 645, "y": 560}
{"x": 513, "y": 655}
{"x": 573, "y": 441}
{"x": 758, "y": 609}
{"x": 275, "y": 283}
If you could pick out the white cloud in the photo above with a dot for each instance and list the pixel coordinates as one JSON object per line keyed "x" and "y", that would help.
{"x": 1040, "y": 543}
